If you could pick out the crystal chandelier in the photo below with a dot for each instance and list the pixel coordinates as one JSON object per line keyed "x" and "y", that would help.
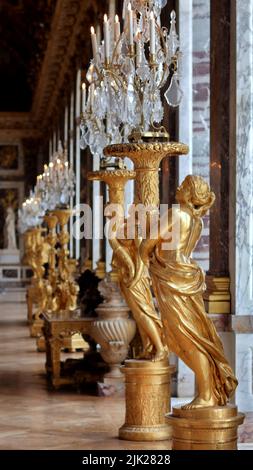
{"x": 31, "y": 213}
{"x": 53, "y": 189}
{"x": 56, "y": 185}
{"x": 126, "y": 75}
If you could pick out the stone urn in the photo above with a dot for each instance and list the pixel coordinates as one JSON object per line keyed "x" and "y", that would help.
{"x": 113, "y": 330}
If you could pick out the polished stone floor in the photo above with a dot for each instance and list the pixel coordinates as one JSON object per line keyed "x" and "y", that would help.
{"x": 33, "y": 417}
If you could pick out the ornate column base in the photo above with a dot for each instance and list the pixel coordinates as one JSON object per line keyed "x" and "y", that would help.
{"x": 217, "y": 296}
{"x": 147, "y": 400}
{"x": 213, "y": 428}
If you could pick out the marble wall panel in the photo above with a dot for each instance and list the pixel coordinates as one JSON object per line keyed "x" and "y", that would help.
{"x": 244, "y": 161}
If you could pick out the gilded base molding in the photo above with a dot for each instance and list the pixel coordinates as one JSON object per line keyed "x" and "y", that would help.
{"x": 217, "y": 295}
{"x": 213, "y": 428}
{"x": 147, "y": 404}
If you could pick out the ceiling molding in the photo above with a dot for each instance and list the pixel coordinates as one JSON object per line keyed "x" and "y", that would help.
{"x": 68, "y": 25}
{"x": 18, "y": 125}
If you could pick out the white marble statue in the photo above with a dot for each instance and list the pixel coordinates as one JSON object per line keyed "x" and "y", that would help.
{"x": 10, "y": 240}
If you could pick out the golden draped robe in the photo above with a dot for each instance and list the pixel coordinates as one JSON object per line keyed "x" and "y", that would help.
{"x": 178, "y": 284}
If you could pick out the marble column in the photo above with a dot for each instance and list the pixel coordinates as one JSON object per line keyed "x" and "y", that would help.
{"x": 78, "y": 154}
{"x": 71, "y": 162}
{"x": 217, "y": 295}
{"x": 87, "y": 163}
{"x": 194, "y": 125}
{"x": 101, "y": 263}
{"x": 241, "y": 205}
{"x": 97, "y": 215}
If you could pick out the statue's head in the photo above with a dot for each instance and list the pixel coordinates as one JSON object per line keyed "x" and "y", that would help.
{"x": 195, "y": 193}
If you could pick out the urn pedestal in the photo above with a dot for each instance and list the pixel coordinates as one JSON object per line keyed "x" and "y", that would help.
{"x": 113, "y": 330}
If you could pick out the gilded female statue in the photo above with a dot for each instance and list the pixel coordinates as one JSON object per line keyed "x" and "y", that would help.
{"x": 178, "y": 284}
{"x": 138, "y": 296}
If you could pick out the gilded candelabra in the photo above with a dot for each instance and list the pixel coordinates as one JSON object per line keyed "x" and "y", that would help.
{"x": 137, "y": 291}
{"x": 40, "y": 290}
{"x": 178, "y": 285}
{"x": 28, "y": 259}
{"x": 124, "y": 103}
{"x": 67, "y": 289}
{"x": 51, "y": 221}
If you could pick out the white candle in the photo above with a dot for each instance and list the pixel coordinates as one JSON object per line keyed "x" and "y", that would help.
{"x": 83, "y": 97}
{"x": 116, "y": 29}
{"x": 130, "y": 25}
{"x": 106, "y": 37}
{"x": 98, "y": 33}
{"x": 152, "y": 33}
{"x": 117, "y": 34}
{"x": 94, "y": 43}
{"x": 66, "y": 169}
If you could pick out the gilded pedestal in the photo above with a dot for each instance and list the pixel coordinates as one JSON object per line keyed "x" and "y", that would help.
{"x": 147, "y": 400}
{"x": 38, "y": 292}
{"x": 213, "y": 428}
{"x": 51, "y": 239}
{"x": 67, "y": 289}
{"x": 217, "y": 295}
